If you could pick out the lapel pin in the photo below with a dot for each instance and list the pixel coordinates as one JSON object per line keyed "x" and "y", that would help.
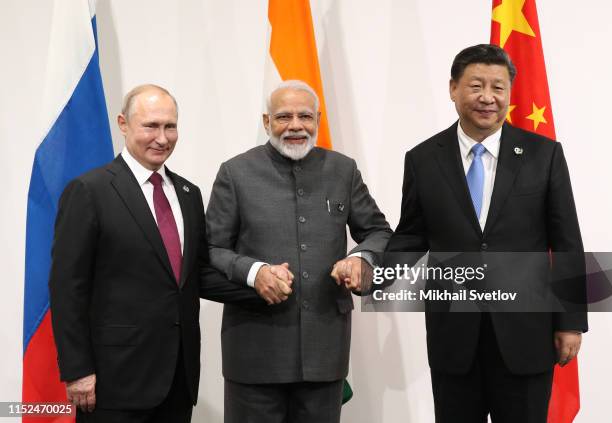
{"x": 186, "y": 188}
{"x": 518, "y": 151}
{"x": 341, "y": 207}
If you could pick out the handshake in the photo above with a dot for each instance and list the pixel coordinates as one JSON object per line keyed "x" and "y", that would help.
{"x": 273, "y": 282}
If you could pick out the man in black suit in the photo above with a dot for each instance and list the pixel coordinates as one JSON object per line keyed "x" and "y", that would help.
{"x": 484, "y": 185}
{"x": 130, "y": 262}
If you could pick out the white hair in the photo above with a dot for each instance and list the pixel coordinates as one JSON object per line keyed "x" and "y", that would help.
{"x": 293, "y": 84}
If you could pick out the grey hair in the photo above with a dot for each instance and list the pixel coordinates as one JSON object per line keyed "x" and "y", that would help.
{"x": 128, "y": 100}
{"x": 293, "y": 84}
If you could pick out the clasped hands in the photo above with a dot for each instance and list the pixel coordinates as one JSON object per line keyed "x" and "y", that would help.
{"x": 273, "y": 282}
{"x": 354, "y": 272}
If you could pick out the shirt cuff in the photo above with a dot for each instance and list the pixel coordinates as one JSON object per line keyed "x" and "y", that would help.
{"x": 253, "y": 273}
{"x": 366, "y": 255}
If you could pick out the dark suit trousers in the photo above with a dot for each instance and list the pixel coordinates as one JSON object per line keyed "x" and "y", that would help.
{"x": 490, "y": 388}
{"x": 301, "y": 402}
{"x": 175, "y": 408}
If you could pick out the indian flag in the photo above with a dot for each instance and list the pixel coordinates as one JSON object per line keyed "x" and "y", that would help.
{"x": 293, "y": 55}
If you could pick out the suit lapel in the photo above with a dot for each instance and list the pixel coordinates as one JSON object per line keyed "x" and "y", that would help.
{"x": 508, "y": 166}
{"x": 184, "y": 196}
{"x": 449, "y": 160}
{"x": 127, "y": 187}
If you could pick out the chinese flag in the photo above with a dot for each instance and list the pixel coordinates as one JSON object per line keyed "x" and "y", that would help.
{"x": 515, "y": 28}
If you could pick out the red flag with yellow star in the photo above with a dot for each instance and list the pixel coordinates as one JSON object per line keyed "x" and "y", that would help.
{"x": 515, "y": 28}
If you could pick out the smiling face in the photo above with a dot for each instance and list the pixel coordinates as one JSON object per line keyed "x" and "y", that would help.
{"x": 292, "y": 122}
{"x": 150, "y": 128}
{"x": 481, "y": 97}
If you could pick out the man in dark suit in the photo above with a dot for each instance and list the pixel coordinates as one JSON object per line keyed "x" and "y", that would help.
{"x": 484, "y": 185}
{"x": 130, "y": 262}
{"x": 277, "y": 221}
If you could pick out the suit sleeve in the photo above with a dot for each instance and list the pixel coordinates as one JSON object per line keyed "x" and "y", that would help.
{"x": 565, "y": 239}
{"x": 410, "y": 234}
{"x": 367, "y": 224}
{"x": 223, "y": 229}
{"x": 70, "y": 281}
{"x": 214, "y": 285}
{"x": 409, "y": 237}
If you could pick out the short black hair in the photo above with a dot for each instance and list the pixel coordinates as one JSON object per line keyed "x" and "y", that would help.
{"x": 488, "y": 54}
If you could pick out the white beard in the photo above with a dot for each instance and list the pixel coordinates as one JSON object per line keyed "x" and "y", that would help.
{"x": 293, "y": 151}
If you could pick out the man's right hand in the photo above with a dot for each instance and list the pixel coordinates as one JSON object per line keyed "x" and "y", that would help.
{"x": 82, "y": 392}
{"x": 273, "y": 283}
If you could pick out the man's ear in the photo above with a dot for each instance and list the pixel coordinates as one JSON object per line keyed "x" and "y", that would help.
{"x": 318, "y": 118}
{"x": 266, "y": 122}
{"x": 122, "y": 122}
{"x": 452, "y": 89}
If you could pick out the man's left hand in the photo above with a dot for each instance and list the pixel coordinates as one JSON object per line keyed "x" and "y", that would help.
{"x": 82, "y": 392}
{"x": 354, "y": 272}
{"x": 567, "y": 345}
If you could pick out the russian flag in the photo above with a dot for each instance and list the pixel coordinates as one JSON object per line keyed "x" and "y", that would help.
{"x": 78, "y": 139}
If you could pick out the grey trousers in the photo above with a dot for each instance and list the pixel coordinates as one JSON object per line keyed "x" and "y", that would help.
{"x": 300, "y": 402}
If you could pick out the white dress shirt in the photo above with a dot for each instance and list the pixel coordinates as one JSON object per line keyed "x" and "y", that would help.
{"x": 142, "y": 175}
{"x": 489, "y": 162}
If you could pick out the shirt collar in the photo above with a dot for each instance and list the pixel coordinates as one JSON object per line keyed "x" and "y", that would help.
{"x": 141, "y": 173}
{"x": 491, "y": 143}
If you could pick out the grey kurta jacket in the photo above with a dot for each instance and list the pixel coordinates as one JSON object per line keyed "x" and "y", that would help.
{"x": 265, "y": 207}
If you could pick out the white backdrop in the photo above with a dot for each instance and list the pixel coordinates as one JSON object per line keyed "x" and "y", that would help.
{"x": 385, "y": 68}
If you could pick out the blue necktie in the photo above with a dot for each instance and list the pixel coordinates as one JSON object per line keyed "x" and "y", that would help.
{"x": 475, "y": 177}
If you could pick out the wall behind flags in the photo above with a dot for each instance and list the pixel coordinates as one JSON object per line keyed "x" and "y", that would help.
{"x": 385, "y": 69}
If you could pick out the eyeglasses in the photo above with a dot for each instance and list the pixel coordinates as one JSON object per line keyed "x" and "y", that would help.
{"x": 285, "y": 118}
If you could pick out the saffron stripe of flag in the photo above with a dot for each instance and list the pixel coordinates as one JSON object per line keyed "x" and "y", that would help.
{"x": 78, "y": 139}
{"x": 515, "y": 28}
{"x": 293, "y": 50}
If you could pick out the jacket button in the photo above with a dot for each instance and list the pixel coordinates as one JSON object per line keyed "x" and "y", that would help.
{"x": 305, "y": 305}
{"x": 297, "y": 168}
{"x": 484, "y": 246}
{"x": 303, "y": 247}
{"x": 302, "y": 219}
{"x": 177, "y": 323}
{"x": 305, "y": 275}
{"x": 300, "y": 192}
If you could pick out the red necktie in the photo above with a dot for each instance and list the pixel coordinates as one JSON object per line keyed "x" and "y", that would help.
{"x": 167, "y": 225}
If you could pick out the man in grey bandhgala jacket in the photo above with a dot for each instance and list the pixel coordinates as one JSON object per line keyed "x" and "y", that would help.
{"x": 277, "y": 221}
